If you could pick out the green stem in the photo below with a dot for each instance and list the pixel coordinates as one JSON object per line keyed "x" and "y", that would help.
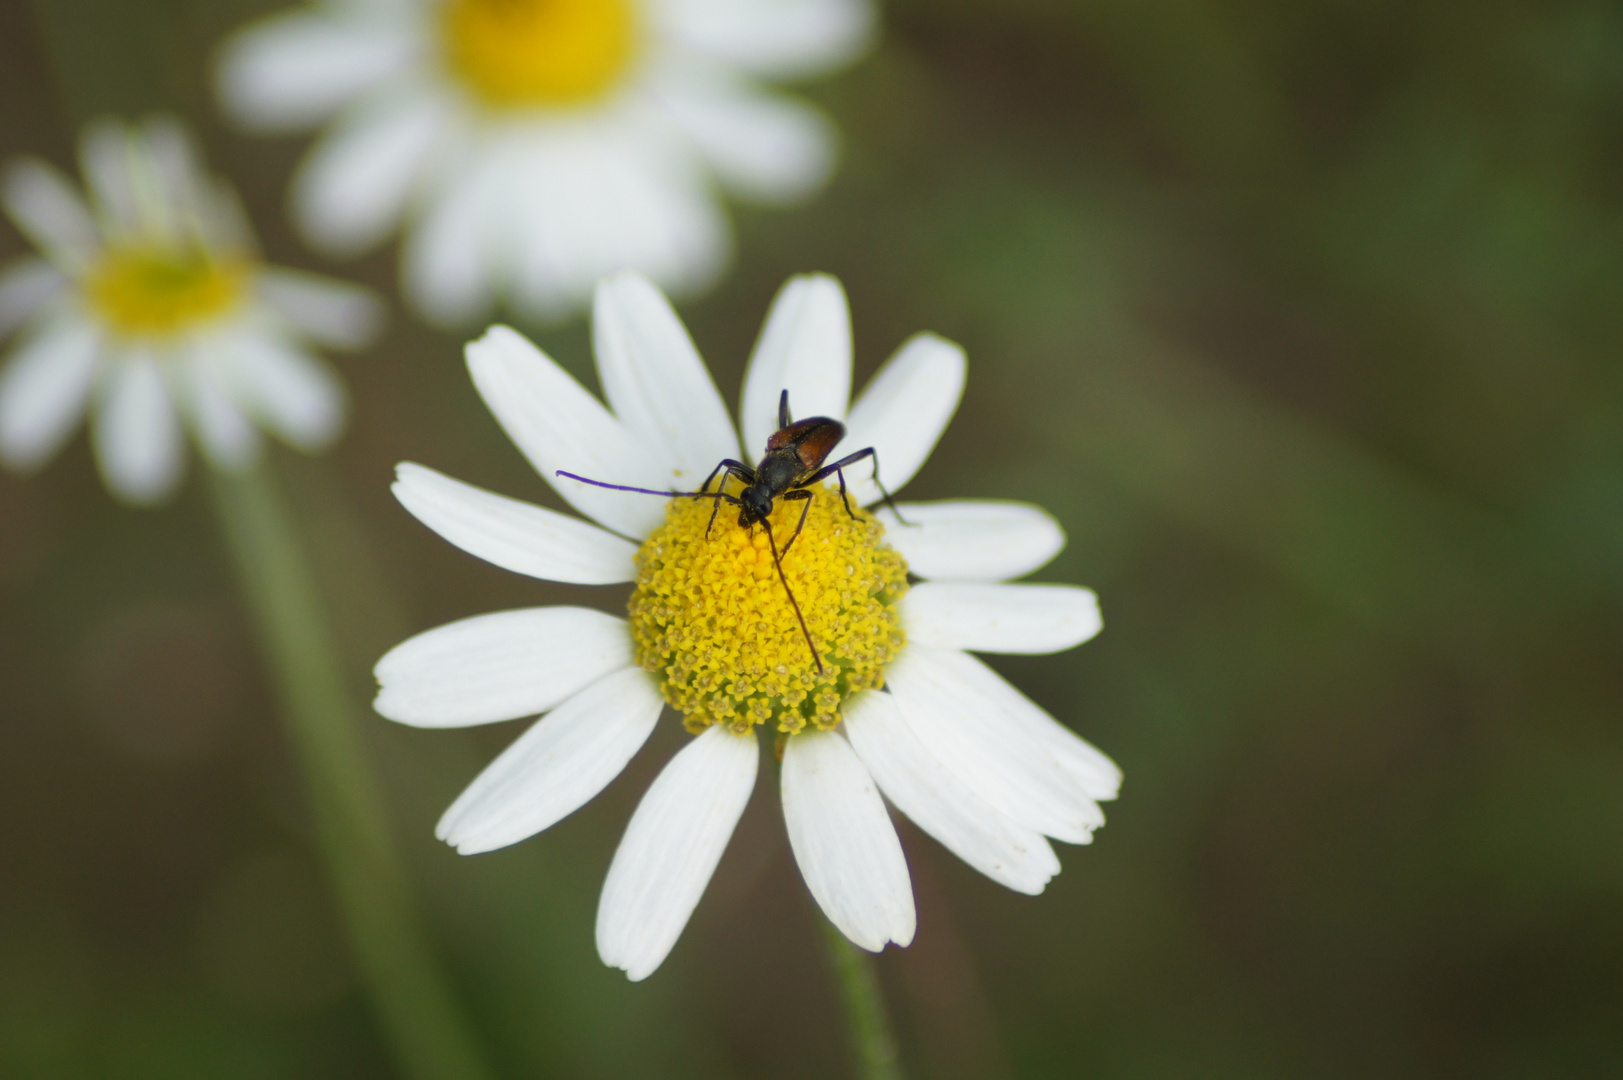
{"x": 865, "y": 1013}
{"x": 414, "y": 1005}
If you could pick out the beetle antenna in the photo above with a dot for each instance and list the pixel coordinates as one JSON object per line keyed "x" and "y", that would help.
{"x": 621, "y": 487}
{"x": 651, "y": 491}
{"x": 778, "y": 562}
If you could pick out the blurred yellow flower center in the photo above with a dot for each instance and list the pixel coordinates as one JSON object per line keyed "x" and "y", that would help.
{"x": 150, "y": 290}
{"x": 710, "y": 616}
{"x": 538, "y": 52}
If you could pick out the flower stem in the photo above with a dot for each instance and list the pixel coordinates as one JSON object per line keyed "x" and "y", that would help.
{"x": 420, "y": 1020}
{"x": 865, "y": 1013}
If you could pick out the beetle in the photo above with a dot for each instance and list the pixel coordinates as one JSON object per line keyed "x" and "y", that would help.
{"x": 791, "y": 466}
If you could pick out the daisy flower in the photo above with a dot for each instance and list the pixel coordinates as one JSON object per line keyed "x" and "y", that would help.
{"x": 536, "y": 145}
{"x": 149, "y": 308}
{"x": 897, "y": 706}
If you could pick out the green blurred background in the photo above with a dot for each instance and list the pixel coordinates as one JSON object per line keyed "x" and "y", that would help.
{"x": 1304, "y": 319}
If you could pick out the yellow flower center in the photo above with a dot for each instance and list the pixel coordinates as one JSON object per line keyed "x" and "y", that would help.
{"x": 710, "y": 616}
{"x": 142, "y": 290}
{"x": 538, "y": 52}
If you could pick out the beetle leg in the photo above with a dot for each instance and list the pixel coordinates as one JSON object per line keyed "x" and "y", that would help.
{"x": 714, "y": 510}
{"x": 852, "y": 459}
{"x": 734, "y": 468}
{"x": 797, "y": 493}
{"x": 837, "y": 470}
{"x": 777, "y": 560}
{"x": 783, "y": 414}
{"x": 706, "y": 485}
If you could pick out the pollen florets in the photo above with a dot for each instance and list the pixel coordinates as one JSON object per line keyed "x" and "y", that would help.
{"x": 710, "y": 616}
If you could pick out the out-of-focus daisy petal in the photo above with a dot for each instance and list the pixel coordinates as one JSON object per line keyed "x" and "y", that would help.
{"x": 330, "y": 312}
{"x": 671, "y": 848}
{"x": 805, "y": 348}
{"x": 294, "y": 394}
{"x": 844, "y": 842}
{"x": 453, "y": 261}
{"x": 999, "y": 618}
{"x": 554, "y": 768}
{"x": 973, "y": 539}
{"x": 498, "y": 667}
{"x": 969, "y": 727}
{"x": 224, "y": 222}
{"x": 655, "y": 381}
{"x": 43, "y": 391}
{"x": 559, "y": 425}
{"x": 940, "y": 803}
{"x": 902, "y": 412}
{"x": 514, "y": 535}
{"x": 762, "y": 146}
{"x": 291, "y": 71}
{"x": 50, "y": 212}
{"x": 354, "y": 186}
{"x": 137, "y": 433}
{"x": 104, "y": 161}
{"x": 782, "y": 38}
{"x": 228, "y": 440}
{"x": 1099, "y": 777}
{"x": 593, "y": 204}
{"x": 170, "y": 183}
{"x": 26, "y": 286}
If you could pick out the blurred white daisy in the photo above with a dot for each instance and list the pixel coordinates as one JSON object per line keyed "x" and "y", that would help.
{"x": 535, "y": 146}
{"x": 970, "y": 759}
{"x": 148, "y": 308}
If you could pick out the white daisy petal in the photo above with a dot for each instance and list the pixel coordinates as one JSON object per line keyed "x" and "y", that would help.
{"x": 354, "y": 186}
{"x": 973, "y": 539}
{"x": 45, "y": 206}
{"x": 295, "y": 394}
{"x": 805, "y": 348}
{"x": 902, "y": 412}
{"x": 514, "y": 535}
{"x": 291, "y": 71}
{"x": 1098, "y": 776}
{"x": 452, "y": 264}
{"x": 498, "y": 667}
{"x": 999, "y": 618}
{"x": 137, "y": 434}
{"x": 844, "y": 842}
{"x": 597, "y": 203}
{"x": 173, "y": 194}
{"x": 223, "y": 220}
{"x": 330, "y": 312}
{"x": 227, "y": 439}
{"x": 655, "y": 381}
{"x": 671, "y": 848}
{"x": 559, "y": 425}
{"x": 970, "y": 728}
{"x": 782, "y": 38}
{"x": 554, "y": 768}
{"x": 557, "y": 223}
{"x": 26, "y": 286}
{"x": 761, "y": 145}
{"x": 940, "y": 803}
{"x": 43, "y": 391}
{"x": 104, "y": 161}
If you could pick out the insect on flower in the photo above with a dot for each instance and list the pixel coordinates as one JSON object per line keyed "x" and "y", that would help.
{"x": 902, "y": 711}
{"x": 793, "y": 463}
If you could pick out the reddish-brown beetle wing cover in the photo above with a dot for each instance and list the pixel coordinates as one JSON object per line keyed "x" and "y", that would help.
{"x": 811, "y": 438}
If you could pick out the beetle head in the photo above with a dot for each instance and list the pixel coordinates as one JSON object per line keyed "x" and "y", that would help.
{"x": 756, "y": 503}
